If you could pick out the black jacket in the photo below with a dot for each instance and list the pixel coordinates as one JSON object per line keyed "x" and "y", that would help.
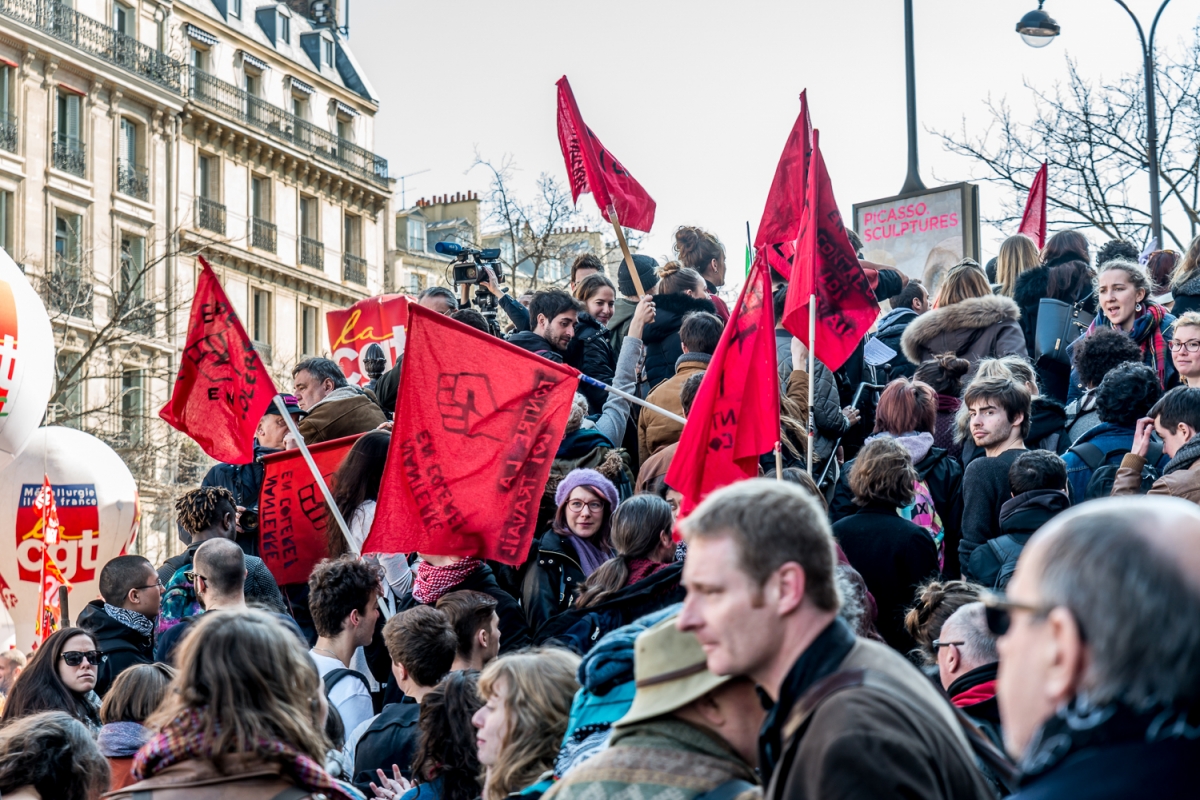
{"x": 1187, "y": 297}
{"x": 123, "y": 645}
{"x": 985, "y": 490}
{"x": 894, "y": 556}
{"x": 514, "y": 632}
{"x": 553, "y": 581}
{"x": 1032, "y": 286}
{"x": 390, "y": 739}
{"x": 591, "y": 354}
{"x": 244, "y": 481}
{"x": 1047, "y": 422}
{"x": 661, "y": 337}
{"x": 528, "y": 340}
{"x": 986, "y": 712}
{"x": 1027, "y": 512}
{"x": 891, "y": 328}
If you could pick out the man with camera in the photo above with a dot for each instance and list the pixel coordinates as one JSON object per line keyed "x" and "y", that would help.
{"x": 552, "y": 315}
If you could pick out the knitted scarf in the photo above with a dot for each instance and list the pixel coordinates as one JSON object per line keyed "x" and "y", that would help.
{"x": 1147, "y": 334}
{"x": 121, "y": 739}
{"x": 642, "y": 568}
{"x": 183, "y": 740}
{"x": 433, "y": 582}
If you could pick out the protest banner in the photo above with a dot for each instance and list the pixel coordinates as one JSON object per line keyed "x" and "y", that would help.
{"x": 376, "y": 320}
{"x": 1033, "y": 220}
{"x": 776, "y": 238}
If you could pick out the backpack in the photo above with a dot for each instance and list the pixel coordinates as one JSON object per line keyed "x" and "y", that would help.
{"x": 1104, "y": 473}
{"x": 178, "y": 601}
{"x": 335, "y": 676}
{"x": 993, "y": 562}
{"x": 921, "y": 511}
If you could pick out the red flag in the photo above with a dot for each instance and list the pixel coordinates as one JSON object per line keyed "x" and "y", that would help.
{"x": 292, "y": 515}
{"x": 222, "y": 389}
{"x": 825, "y": 263}
{"x": 735, "y": 416}
{"x": 472, "y": 447}
{"x": 378, "y": 320}
{"x": 1033, "y": 221}
{"x": 594, "y": 169}
{"x": 776, "y": 236}
{"x": 51, "y": 577}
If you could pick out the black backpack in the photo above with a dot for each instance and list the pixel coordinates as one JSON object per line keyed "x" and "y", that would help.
{"x": 335, "y": 676}
{"x": 993, "y": 562}
{"x": 1104, "y": 473}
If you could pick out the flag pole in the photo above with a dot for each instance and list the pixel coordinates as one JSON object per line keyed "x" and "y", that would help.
{"x": 779, "y": 461}
{"x": 633, "y": 273}
{"x": 590, "y": 381}
{"x": 812, "y": 377}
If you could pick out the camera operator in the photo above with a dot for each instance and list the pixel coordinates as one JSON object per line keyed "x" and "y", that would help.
{"x": 517, "y": 313}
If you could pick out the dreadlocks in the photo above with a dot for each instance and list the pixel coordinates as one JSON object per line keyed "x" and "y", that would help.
{"x": 201, "y": 509}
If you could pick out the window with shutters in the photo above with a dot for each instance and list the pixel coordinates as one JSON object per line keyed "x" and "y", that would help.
{"x": 70, "y": 287}
{"x": 132, "y": 178}
{"x": 133, "y": 267}
{"x": 208, "y": 188}
{"x": 67, "y": 227}
{"x": 352, "y": 234}
{"x": 262, "y": 229}
{"x": 68, "y": 149}
{"x": 253, "y": 84}
{"x": 199, "y": 59}
{"x": 310, "y": 329}
{"x": 260, "y": 319}
{"x": 210, "y": 213}
{"x": 124, "y": 18}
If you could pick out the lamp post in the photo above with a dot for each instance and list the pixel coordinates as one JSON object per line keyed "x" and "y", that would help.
{"x": 912, "y": 183}
{"x": 1038, "y": 29}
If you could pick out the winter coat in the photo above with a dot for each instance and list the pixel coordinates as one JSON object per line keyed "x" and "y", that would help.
{"x": 980, "y": 327}
{"x": 344, "y": 412}
{"x": 1028, "y": 511}
{"x": 661, "y": 337}
{"x": 514, "y": 633}
{"x": 1187, "y": 296}
{"x": 618, "y": 323}
{"x": 655, "y": 467}
{"x": 1107, "y": 437}
{"x": 1082, "y": 416}
{"x": 390, "y": 738}
{"x": 1170, "y": 376}
{"x": 894, "y": 556}
{"x": 249, "y": 778}
{"x": 1180, "y": 477}
{"x": 124, "y": 646}
{"x": 528, "y": 340}
{"x": 654, "y": 430}
{"x": 244, "y": 482}
{"x": 1047, "y": 417}
{"x": 975, "y": 693}
{"x": 830, "y": 422}
{"x": 985, "y": 490}
{"x": 1034, "y": 284}
{"x": 591, "y": 354}
{"x": 945, "y": 424}
{"x": 551, "y": 585}
{"x": 890, "y": 331}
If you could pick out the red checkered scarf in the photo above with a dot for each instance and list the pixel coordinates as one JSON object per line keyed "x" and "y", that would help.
{"x": 433, "y": 582}
{"x": 183, "y": 740}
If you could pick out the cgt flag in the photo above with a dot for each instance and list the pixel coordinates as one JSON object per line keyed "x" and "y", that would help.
{"x": 776, "y": 238}
{"x": 825, "y": 264}
{"x": 735, "y": 416}
{"x": 1033, "y": 221}
{"x": 376, "y": 320}
{"x": 223, "y": 389}
{"x": 472, "y": 447}
{"x": 594, "y": 169}
{"x": 51, "y": 576}
{"x": 293, "y": 521}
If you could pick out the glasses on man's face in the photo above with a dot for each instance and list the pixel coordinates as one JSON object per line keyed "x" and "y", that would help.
{"x": 594, "y": 506}
{"x": 1191, "y": 345}
{"x": 937, "y": 644}
{"x": 159, "y": 584}
{"x": 998, "y": 611}
{"x": 74, "y": 657}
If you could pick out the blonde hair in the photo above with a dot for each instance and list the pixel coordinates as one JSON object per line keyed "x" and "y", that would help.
{"x": 1188, "y": 319}
{"x": 964, "y": 281}
{"x": 1187, "y": 265}
{"x": 539, "y": 688}
{"x": 245, "y": 702}
{"x": 674, "y": 278}
{"x": 1017, "y": 254}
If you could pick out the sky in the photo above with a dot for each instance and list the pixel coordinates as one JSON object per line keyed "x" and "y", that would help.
{"x": 697, "y": 98}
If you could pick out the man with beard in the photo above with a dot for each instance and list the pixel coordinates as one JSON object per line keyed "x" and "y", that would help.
{"x": 553, "y": 315}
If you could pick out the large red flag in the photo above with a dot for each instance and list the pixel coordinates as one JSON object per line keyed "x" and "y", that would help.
{"x": 222, "y": 389}
{"x": 1033, "y": 221}
{"x": 776, "y": 237}
{"x": 478, "y": 422}
{"x": 376, "y": 320}
{"x": 735, "y": 416}
{"x": 825, "y": 263}
{"x": 293, "y": 519}
{"x": 594, "y": 169}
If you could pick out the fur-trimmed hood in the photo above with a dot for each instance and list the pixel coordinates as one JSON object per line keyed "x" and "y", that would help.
{"x": 953, "y": 325}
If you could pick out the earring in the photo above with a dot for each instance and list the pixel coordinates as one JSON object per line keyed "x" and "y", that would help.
{"x": 1138, "y": 307}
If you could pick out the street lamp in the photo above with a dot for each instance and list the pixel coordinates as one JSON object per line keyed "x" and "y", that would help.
{"x": 1038, "y": 29}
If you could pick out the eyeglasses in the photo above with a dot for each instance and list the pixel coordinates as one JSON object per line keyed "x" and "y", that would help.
{"x": 594, "y": 506}
{"x": 191, "y": 577}
{"x": 1191, "y": 345}
{"x": 938, "y": 643}
{"x": 159, "y": 584}
{"x": 74, "y": 658}
{"x": 998, "y": 611}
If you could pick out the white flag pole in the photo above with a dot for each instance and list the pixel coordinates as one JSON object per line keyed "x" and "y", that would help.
{"x": 812, "y": 377}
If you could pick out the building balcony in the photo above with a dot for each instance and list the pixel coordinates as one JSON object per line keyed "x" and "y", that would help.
{"x": 210, "y": 215}
{"x": 262, "y": 234}
{"x": 354, "y": 269}
{"x": 69, "y": 289}
{"x": 133, "y": 180}
{"x": 8, "y": 132}
{"x": 264, "y": 351}
{"x": 135, "y": 314}
{"x": 70, "y": 155}
{"x": 312, "y": 253}
{"x": 238, "y": 104}
{"x": 92, "y": 36}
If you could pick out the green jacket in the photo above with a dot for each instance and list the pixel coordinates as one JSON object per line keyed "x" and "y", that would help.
{"x": 619, "y": 322}
{"x": 663, "y": 757}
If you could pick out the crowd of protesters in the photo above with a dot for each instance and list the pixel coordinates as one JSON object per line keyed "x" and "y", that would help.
{"x": 948, "y": 607}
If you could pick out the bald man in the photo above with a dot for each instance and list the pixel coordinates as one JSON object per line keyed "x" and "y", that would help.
{"x": 1099, "y": 677}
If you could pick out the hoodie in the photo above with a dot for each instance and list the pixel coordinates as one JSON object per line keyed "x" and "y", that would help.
{"x": 1028, "y": 511}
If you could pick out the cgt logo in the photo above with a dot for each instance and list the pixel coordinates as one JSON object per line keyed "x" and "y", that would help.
{"x": 79, "y": 532}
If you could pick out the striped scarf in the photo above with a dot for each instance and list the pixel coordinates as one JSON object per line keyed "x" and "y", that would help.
{"x": 1146, "y": 334}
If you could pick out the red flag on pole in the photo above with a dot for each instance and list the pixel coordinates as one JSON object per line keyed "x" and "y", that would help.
{"x": 472, "y": 447}
{"x": 1033, "y": 221}
{"x": 776, "y": 237}
{"x": 51, "y": 577}
{"x": 293, "y": 520}
{"x": 735, "y": 416}
{"x": 825, "y": 265}
{"x": 592, "y": 168}
{"x": 222, "y": 389}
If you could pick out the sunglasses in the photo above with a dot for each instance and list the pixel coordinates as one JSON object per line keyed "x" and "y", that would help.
{"x": 191, "y": 577}
{"x": 74, "y": 658}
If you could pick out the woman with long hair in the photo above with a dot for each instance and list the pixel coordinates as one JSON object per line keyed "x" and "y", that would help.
{"x": 680, "y": 291}
{"x": 133, "y": 697}
{"x": 1018, "y": 254}
{"x": 527, "y": 701}
{"x": 945, "y": 374}
{"x": 61, "y": 676}
{"x": 700, "y": 250}
{"x": 590, "y": 350}
{"x": 642, "y": 545}
{"x": 245, "y": 710}
{"x": 1185, "y": 281}
{"x": 50, "y": 756}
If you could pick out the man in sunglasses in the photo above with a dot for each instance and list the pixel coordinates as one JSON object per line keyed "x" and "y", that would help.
{"x": 1099, "y": 678}
{"x": 122, "y": 624}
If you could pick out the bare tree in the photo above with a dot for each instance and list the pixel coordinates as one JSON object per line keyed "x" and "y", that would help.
{"x": 1093, "y": 136}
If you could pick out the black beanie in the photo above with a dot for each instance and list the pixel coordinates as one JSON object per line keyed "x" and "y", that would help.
{"x": 646, "y": 267}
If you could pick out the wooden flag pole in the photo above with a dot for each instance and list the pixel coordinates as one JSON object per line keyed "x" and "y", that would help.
{"x": 633, "y": 273}
{"x": 812, "y": 377}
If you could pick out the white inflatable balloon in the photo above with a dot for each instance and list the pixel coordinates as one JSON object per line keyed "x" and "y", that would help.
{"x": 98, "y": 516}
{"x": 26, "y": 360}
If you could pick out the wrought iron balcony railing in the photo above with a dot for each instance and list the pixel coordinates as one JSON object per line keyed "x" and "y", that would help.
{"x": 8, "y": 132}
{"x": 262, "y": 234}
{"x": 354, "y": 269}
{"x": 69, "y": 289}
{"x": 136, "y": 315}
{"x": 133, "y": 180}
{"x": 312, "y": 253}
{"x": 210, "y": 215}
{"x": 70, "y": 155}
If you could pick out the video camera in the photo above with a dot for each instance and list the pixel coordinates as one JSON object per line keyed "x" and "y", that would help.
{"x": 469, "y": 263}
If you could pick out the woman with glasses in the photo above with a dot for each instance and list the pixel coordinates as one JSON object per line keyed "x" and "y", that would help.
{"x": 1185, "y": 348}
{"x": 60, "y": 677}
{"x": 576, "y": 545}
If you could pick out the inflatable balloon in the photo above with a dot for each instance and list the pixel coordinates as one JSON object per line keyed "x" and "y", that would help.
{"x": 98, "y": 515}
{"x": 26, "y": 360}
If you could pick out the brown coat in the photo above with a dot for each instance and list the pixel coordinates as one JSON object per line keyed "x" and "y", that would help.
{"x": 654, "y": 430}
{"x": 892, "y": 736}
{"x": 334, "y": 419}
{"x": 200, "y": 780}
{"x": 1183, "y": 483}
{"x": 981, "y": 327}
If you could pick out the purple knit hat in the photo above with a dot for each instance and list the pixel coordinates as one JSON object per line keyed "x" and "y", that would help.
{"x": 591, "y": 479}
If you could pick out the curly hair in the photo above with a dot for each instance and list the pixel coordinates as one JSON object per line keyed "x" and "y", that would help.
{"x": 55, "y": 754}
{"x": 1101, "y": 353}
{"x": 203, "y": 508}
{"x": 1127, "y": 394}
{"x": 1137, "y": 276}
{"x": 1116, "y": 248}
{"x": 338, "y": 586}
{"x": 935, "y": 602}
{"x": 446, "y": 746}
{"x": 883, "y": 472}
